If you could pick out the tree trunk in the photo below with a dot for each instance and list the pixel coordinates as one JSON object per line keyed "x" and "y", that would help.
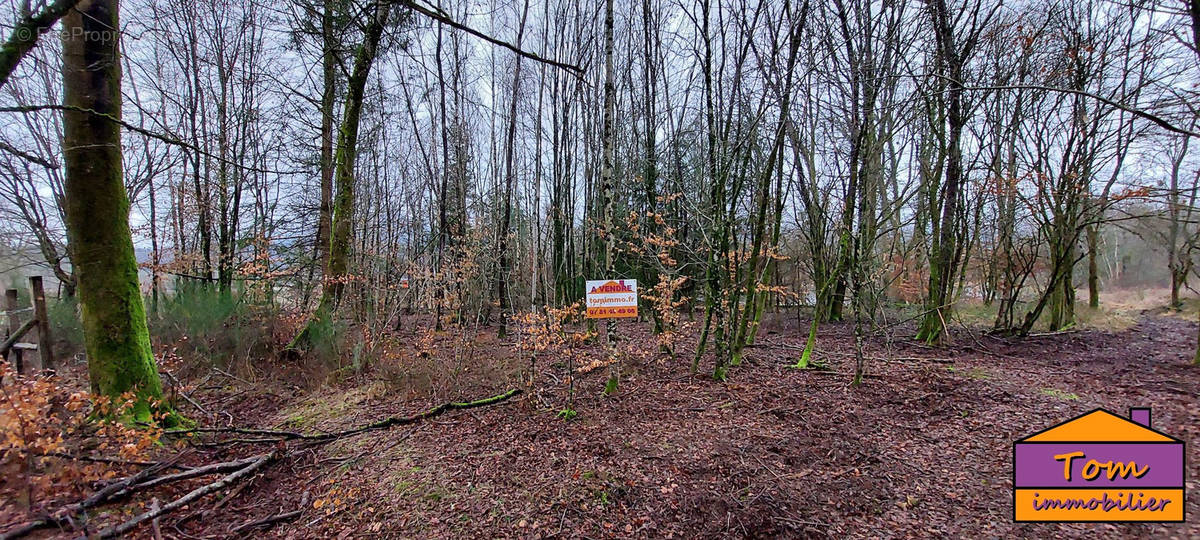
{"x": 1196, "y": 359}
{"x": 328, "y": 101}
{"x": 606, "y": 168}
{"x": 942, "y": 267}
{"x": 97, "y": 212}
{"x": 347, "y": 150}
{"x": 650, "y": 166}
{"x": 1093, "y": 241}
{"x": 510, "y": 174}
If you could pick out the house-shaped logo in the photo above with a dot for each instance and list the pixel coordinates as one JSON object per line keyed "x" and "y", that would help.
{"x": 1099, "y": 467}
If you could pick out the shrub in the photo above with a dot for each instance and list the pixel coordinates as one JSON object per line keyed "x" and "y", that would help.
{"x": 49, "y": 432}
{"x": 202, "y": 323}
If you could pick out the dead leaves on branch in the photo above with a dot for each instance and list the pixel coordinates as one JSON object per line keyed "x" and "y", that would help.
{"x": 51, "y": 435}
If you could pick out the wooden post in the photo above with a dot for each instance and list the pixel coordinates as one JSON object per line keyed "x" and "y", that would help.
{"x": 45, "y": 351}
{"x": 14, "y": 324}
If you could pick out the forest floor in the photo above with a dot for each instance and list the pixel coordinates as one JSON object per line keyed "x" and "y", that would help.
{"x": 923, "y": 448}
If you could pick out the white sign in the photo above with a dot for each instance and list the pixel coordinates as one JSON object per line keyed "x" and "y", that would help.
{"x": 607, "y": 299}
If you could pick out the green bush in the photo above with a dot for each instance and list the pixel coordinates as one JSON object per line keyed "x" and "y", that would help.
{"x": 204, "y": 323}
{"x": 326, "y": 337}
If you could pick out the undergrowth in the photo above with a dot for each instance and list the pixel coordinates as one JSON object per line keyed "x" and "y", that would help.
{"x": 49, "y": 432}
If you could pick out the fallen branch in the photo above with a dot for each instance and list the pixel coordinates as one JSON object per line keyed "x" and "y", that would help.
{"x": 64, "y": 516}
{"x": 190, "y": 473}
{"x": 382, "y": 424}
{"x": 831, "y": 372}
{"x": 273, "y": 519}
{"x": 901, "y": 359}
{"x": 241, "y": 467}
{"x": 117, "y": 530}
{"x": 1056, "y": 333}
{"x": 12, "y": 339}
{"x": 403, "y": 420}
{"x": 125, "y": 487}
{"x": 154, "y": 526}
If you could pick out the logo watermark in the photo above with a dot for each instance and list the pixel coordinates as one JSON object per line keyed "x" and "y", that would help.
{"x": 1099, "y": 467}
{"x": 26, "y": 33}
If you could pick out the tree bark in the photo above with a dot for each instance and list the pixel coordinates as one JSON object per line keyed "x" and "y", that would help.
{"x": 1093, "y": 242}
{"x": 607, "y": 160}
{"x": 510, "y": 174}
{"x": 97, "y": 209}
{"x": 347, "y": 150}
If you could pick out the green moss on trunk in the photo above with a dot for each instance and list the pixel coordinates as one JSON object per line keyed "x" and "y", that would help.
{"x": 806, "y": 356}
{"x": 117, "y": 340}
{"x": 342, "y": 236}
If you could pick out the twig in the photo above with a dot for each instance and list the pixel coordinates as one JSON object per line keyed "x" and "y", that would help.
{"x": 228, "y": 497}
{"x": 1048, "y": 334}
{"x": 831, "y": 372}
{"x": 441, "y": 17}
{"x": 273, "y": 519}
{"x": 231, "y": 376}
{"x": 179, "y": 389}
{"x": 901, "y": 359}
{"x": 154, "y": 506}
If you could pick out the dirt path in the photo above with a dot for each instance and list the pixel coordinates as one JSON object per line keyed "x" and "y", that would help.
{"x": 921, "y": 449}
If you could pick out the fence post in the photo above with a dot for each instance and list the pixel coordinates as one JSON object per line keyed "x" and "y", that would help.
{"x": 45, "y": 351}
{"x": 10, "y": 304}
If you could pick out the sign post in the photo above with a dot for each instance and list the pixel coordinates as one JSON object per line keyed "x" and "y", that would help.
{"x": 611, "y": 299}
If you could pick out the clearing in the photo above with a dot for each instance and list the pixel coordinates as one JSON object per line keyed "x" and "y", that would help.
{"x": 922, "y": 448}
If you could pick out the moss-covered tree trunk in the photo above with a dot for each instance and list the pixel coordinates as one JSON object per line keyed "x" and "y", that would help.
{"x": 1093, "y": 245}
{"x": 97, "y": 210}
{"x": 1196, "y": 359}
{"x": 943, "y": 262}
{"x": 337, "y": 266}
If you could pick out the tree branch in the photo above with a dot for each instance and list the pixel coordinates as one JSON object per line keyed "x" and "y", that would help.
{"x": 1158, "y": 120}
{"x": 142, "y": 131}
{"x": 26, "y": 33}
{"x": 382, "y": 424}
{"x": 5, "y": 147}
{"x": 117, "y": 530}
{"x": 444, "y": 18}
